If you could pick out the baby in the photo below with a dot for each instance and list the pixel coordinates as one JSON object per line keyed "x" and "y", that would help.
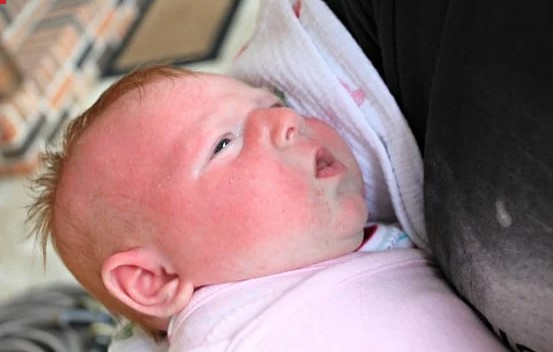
{"x": 196, "y": 205}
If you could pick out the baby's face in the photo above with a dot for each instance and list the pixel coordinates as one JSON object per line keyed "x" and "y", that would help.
{"x": 243, "y": 187}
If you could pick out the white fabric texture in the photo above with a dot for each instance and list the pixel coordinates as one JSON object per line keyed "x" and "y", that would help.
{"x": 365, "y": 301}
{"x": 302, "y": 50}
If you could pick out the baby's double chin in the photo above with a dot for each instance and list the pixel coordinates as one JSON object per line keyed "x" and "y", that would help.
{"x": 345, "y": 245}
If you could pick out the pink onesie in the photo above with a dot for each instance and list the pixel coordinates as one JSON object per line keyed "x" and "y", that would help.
{"x": 365, "y": 301}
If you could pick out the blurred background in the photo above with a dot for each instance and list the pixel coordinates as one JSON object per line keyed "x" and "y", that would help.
{"x": 56, "y": 57}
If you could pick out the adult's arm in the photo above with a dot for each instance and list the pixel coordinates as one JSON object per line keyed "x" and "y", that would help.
{"x": 474, "y": 79}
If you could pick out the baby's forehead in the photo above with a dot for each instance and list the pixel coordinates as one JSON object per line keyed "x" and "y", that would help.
{"x": 145, "y": 112}
{"x": 194, "y": 88}
{"x": 193, "y": 98}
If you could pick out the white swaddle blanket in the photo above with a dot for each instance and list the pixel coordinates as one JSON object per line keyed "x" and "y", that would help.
{"x": 302, "y": 50}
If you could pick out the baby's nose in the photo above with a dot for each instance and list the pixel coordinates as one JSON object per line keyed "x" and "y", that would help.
{"x": 281, "y": 125}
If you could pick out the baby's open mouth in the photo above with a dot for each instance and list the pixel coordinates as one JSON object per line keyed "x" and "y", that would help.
{"x": 326, "y": 165}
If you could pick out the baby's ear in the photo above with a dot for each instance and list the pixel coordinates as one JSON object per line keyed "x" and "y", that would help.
{"x": 142, "y": 280}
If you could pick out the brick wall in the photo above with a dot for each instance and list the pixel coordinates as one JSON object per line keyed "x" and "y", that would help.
{"x": 52, "y": 52}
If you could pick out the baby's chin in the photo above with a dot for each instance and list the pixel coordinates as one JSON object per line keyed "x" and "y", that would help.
{"x": 347, "y": 244}
{"x": 355, "y": 217}
{"x": 359, "y": 240}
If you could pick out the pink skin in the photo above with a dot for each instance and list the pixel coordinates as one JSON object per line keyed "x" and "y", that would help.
{"x": 241, "y": 186}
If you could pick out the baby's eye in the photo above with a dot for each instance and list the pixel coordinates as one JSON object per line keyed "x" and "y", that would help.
{"x": 223, "y": 143}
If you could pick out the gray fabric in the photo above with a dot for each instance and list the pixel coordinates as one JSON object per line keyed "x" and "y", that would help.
{"x": 489, "y": 165}
{"x": 475, "y": 81}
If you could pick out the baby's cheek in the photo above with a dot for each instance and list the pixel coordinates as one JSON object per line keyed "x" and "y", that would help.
{"x": 267, "y": 213}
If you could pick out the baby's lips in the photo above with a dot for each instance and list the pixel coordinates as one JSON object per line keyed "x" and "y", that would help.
{"x": 326, "y": 165}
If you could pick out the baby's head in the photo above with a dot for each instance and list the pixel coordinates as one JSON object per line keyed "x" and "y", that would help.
{"x": 175, "y": 180}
